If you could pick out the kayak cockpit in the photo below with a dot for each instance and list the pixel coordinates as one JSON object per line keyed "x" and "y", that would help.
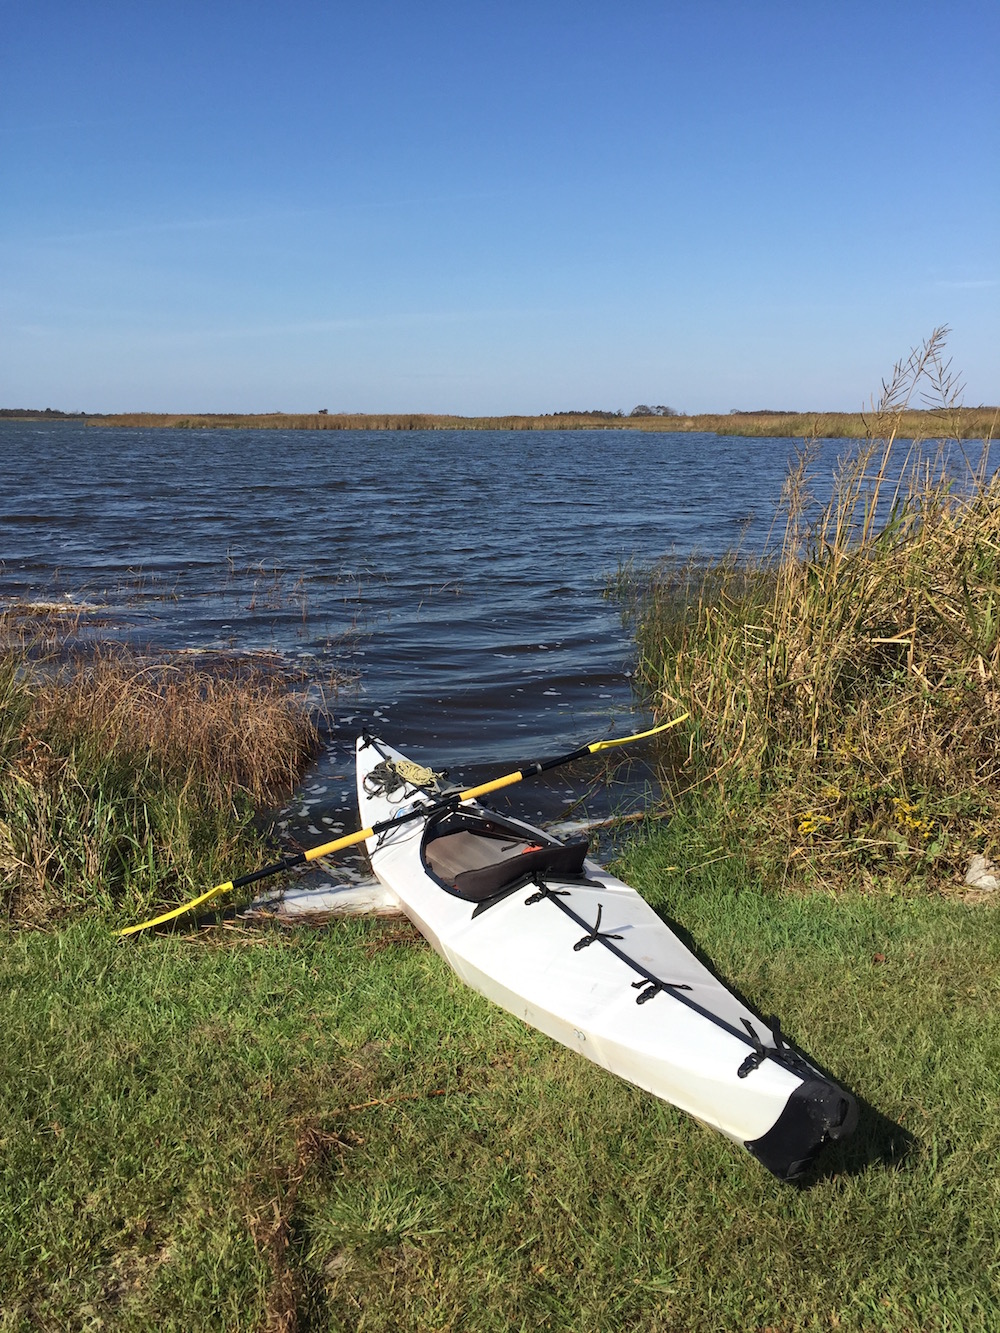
{"x": 477, "y": 858}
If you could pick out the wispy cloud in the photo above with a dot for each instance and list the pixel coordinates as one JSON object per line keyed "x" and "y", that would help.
{"x": 352, "y": 323}
{"x": 289, "y": 329}
{"x": 270, "y": 218}
{"x": 967, "y": 284}
{"x": 175, "y": 226}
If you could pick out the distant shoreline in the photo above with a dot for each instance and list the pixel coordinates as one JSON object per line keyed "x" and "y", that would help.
{"x": 968, "y": 423}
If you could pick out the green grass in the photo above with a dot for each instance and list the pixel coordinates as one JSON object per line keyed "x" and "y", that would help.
{"x": 178, "y": 1148}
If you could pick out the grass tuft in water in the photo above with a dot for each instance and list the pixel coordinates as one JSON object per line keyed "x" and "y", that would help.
{"x": 126, "y": 781}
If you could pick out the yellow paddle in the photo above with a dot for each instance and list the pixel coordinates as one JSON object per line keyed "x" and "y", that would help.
{"x": 418, "y": 812}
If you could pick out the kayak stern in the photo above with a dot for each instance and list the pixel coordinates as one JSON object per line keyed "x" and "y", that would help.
{"x": 815, "y": 1113}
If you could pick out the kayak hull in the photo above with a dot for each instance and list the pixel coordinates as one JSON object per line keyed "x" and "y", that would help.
{"x": 584, "y": 959}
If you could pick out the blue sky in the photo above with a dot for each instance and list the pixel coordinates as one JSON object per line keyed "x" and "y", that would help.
{"x": 503, "y": 207}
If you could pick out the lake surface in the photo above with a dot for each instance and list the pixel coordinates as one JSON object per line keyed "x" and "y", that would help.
{"x": 459, "y": 575}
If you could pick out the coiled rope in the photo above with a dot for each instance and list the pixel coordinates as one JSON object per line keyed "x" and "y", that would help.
{"x": 390, "y": 775}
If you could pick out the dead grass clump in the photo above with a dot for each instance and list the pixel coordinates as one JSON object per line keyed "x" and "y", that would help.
{"x": 232, "y": 725}
{"x": 846, "y": 692}
{"x": 124, "y": 780}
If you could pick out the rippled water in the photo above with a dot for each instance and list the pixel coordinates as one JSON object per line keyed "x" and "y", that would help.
{"x": 459, "y": 574}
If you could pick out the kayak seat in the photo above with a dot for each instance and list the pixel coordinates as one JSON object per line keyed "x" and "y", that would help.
{"x": 476, "y": 883}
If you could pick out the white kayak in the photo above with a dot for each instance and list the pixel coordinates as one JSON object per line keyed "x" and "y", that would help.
{"x": 533, "y": 924}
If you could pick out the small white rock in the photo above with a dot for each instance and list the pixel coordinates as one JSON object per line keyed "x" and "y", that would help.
{"x": 982, "y": 874}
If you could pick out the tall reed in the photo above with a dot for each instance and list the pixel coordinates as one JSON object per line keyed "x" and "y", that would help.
{"x": 844, "y": 690}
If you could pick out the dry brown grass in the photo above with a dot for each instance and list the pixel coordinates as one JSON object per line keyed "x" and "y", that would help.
{"x": 230, "y": 724}
{"x": 124, "y": 780}
{"x": 846, "y": 693}
{"x": 961, "y": 423}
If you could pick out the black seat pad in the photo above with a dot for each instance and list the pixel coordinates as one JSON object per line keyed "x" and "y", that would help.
{"x": 561, "y": 859}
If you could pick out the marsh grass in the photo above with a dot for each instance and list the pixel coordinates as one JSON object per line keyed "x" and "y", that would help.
{"x": 845, "y": 690}
{"x": 965, "y": 423}
{"x": 227, "y": 723}
{"x": 126, "y": 779}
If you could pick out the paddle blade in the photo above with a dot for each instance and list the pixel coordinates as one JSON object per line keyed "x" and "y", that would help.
{"x": 639, "y": 735}
{"x": 178, "y": 911}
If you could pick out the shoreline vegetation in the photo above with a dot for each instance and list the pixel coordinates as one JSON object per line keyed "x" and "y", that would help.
{"x": 843, "y": 689}
{"x": 323, "y": 1128}
{"x": 963, "y": 423}
{"x": 126, "y": 778}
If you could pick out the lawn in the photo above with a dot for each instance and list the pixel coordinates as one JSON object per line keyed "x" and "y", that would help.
{"x": 327, "y": 1130}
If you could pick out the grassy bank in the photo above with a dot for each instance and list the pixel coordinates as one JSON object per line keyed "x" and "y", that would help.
{"x": 963, "y": 423}
{"x": 127, "y": 782}
{"x": 328, "y": 1131}
{"x": 844, "y": 691}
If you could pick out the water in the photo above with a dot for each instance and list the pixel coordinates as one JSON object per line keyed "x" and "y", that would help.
{"x": 458, "y": 576}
